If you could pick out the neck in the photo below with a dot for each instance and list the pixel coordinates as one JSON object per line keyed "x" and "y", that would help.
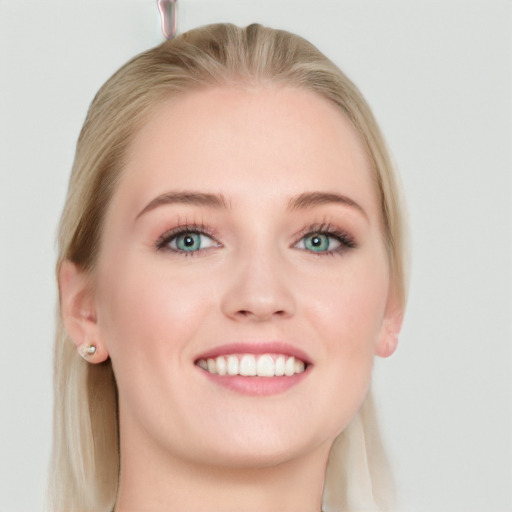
{"x": 157, "y": 484}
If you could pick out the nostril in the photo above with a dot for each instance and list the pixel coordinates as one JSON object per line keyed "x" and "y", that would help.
{"x": 245, "y": 313}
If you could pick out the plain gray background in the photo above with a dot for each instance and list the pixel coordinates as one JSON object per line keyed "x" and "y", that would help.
{"x": 438, "y": 76}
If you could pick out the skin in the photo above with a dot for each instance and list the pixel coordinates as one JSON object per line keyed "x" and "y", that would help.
{"x": 186, "y": 442}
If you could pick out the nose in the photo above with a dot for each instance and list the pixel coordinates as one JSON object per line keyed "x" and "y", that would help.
{"x": 259, "y": 289}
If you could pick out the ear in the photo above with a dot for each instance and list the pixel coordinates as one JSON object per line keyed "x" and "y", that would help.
{"x": 390, "y": 329}
{"x": 78, "y": 312}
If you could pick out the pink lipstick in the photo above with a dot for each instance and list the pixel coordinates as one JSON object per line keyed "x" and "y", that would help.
{"x": 257, "y": 369}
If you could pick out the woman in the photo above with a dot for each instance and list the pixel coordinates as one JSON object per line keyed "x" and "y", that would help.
{"x": 231, "y": 260}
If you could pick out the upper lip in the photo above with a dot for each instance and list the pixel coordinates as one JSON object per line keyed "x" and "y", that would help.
{"x": 269, "y": 347}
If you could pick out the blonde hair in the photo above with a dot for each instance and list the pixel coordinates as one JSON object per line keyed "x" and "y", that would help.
{"x": 85, "y": 462}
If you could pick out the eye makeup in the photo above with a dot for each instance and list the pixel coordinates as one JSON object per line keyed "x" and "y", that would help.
{"x": 190, "y": 239}
{"x": 344, "y": 240}
{"x": 196, "y": 232}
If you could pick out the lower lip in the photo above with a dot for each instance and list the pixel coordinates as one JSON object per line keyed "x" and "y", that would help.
{"x": 257, "y": 386}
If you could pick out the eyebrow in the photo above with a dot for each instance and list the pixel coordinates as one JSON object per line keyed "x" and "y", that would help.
{"x": 312, "y": 199}
{"x": 192, "y": 198}
{"x": 300, "y": 202}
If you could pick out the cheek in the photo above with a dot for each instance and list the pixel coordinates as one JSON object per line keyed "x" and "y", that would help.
{"x": 146, "y": 310}
{"x": 347, "y": 312}
{"x": 350, "y": 304}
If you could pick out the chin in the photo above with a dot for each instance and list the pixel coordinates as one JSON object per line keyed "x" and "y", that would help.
{"x": 262, "y": 456}
{"x": 264, "y": 445}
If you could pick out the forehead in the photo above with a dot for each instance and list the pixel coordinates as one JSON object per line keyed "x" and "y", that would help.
{"x": 247, "y": 142}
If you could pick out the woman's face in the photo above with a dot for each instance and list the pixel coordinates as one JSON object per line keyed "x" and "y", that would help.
{"x": 245, "y": 231}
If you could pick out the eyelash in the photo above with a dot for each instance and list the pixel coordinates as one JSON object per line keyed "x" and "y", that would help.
{"x": 346, "y": 240}
{"x": 162, "y": 244}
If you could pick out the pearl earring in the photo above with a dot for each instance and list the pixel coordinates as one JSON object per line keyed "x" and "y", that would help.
{"x": 88, "y": 350}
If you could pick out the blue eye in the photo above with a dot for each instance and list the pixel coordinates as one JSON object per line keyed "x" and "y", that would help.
{"x": 319, "y": 242}
{"x": 187, "y": 242}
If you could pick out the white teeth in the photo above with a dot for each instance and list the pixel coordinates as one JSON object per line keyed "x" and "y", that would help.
{"x": 232, "y": 365}
{"x": 249, "y": 365}
{"x": 299, "y": 366}
{"x": 212, "y": 366}
{"x": 289, "y": 366}
{"x": 265, "y": 366}
{"x": 221, "y": 365}
{"x": 279, "y": 369}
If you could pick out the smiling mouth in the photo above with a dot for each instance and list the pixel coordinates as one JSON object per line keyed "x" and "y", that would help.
{"x": 251, "y": 365}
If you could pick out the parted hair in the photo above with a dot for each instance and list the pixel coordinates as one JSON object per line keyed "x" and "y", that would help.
{"x": 85, "y": 461}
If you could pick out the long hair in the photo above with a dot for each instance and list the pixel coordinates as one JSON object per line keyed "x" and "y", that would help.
{"x": 85, "y": 461}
